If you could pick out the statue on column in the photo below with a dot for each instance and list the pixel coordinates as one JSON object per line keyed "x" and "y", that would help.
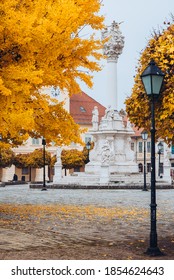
{"x": 114, "y": 46}
{"x": 95, "y": 118}
{"x": 58, "y": 167}
{"x": 58, "y": 155}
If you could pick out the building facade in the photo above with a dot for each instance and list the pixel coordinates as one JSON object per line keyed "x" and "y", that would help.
{"x": 164, "y": 157}
{"x": 80, "y": 107}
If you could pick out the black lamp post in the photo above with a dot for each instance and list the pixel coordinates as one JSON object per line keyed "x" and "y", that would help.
{"x": 160, "y": 146}
{"x": 152, "y": 79}
{"x": 88, "y": 147}
{"x": 144, "y": 136}
{"x": 0, "y": 151}
{"x": 44, "y": 188}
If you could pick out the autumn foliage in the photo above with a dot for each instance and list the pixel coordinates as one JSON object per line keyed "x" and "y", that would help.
{"x": 41, "y": 46}
{"x": 6, "y": 157}
{"x": 72, "y": 158}
{"x": 161, "y": 48}
{"x": 33, "y": 159}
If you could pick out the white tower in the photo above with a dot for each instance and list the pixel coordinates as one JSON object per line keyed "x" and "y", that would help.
{"x": 112, "y": 49}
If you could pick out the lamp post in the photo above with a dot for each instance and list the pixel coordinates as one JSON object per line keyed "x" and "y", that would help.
{"x": 0, "y": 151}
{"x": 88, "y": 147}
{"x": 152, "y": 79}
{"x": 144, "y": 136}
{"x": 44, "y": 188}
{"x": 160, "y": 146}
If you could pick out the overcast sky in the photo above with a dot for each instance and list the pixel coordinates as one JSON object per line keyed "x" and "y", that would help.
{"x": 139, "y": 19}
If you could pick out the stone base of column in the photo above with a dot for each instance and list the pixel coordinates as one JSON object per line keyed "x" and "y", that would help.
{"x": 104, "y": 175}
{"x": 58, "y": 173}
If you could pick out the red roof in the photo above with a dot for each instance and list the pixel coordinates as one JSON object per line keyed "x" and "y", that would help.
{"x": 137, "y": 131}
{"x": 81, "y": 107}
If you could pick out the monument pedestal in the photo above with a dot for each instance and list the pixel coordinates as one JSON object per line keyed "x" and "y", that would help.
{"x": 58, "y": 173}
{"x": 104, "y": 175}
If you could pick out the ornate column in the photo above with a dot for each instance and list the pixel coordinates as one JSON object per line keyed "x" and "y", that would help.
{"x": 112, "y": 49}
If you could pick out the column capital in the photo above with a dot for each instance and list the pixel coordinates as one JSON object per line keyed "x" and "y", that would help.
{"x": 114, "y": 46}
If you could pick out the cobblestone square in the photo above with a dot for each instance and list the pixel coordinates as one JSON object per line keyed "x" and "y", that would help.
{"x": 82, "y": 224}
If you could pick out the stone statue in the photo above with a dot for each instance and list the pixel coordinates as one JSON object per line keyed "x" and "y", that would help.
{"x": 58, "y": 155}
{"x": 58, "y": 167}
{"x": 114, "y": 46}
{"x": 95, "y": 118}
{"x": 108, "y": 113}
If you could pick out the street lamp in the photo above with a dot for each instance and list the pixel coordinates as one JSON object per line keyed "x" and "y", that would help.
{"x": 152, "y": 79}
{"x": 0, "y": 151}
{"x": 144, "y": 136}
{"x": 160, "y": 147}
{"x": 44, "y": 188}
{"x": 88, "y": 147}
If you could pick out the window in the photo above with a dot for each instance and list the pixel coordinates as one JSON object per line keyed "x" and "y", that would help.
{"x": 35, "y": 141}
{"x": 25, "y": 171}
{"x": 148, "y": 167}
{"x": 76, "y": 169}
{"x": 148, "y": 147}
{"x": 82, "y": 109}
{"x": 172, "y": 150}
{"x": 140, "y": 147}
{"x": 140, "y": 167}
{"x": 132, "y": 146}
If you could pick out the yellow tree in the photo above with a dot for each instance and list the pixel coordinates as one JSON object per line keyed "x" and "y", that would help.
{"x": 21, "y": 160}
{"x": 35, "y": 159}
{"x": 40, "y": 46}
{"x": 72, "y": 158}
{"x": 161, "y": 48}
{"x": 6, "y": 157}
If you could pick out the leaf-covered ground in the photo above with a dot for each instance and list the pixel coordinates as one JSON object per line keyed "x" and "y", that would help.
{"x": 80, "y": 232}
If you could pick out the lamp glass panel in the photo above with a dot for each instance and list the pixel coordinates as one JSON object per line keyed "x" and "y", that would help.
{"x": 156, "y": 84}
{"x": 147, "y": 84}
{"x": 88, "y": 145}
{"x": 144, "y": 135}
{"x": 160, "y": 146}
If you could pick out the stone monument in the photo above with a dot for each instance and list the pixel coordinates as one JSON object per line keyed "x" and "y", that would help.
{"x": 112, "y": 157}
{"x": 111, "y": 161}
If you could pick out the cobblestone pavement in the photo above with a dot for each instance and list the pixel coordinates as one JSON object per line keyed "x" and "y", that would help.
{"x": 22, "y": 194}
{"x": 81, "y": 224}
